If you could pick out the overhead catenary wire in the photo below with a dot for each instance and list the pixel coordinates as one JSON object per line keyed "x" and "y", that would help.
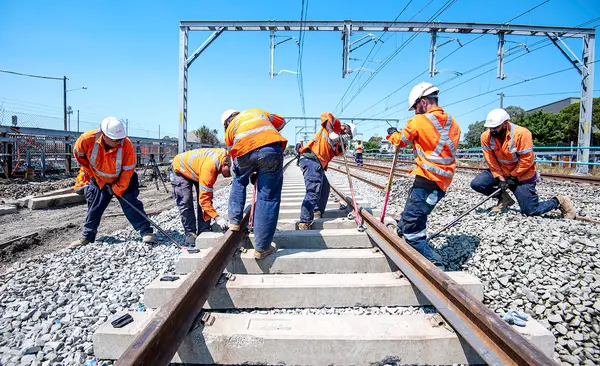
{"x": 31, "y": 75}
{"x": 299, "y": 76}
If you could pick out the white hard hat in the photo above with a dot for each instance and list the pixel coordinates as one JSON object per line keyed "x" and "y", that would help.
{"x": 352, "y": 128}
{"x": 113, "y": 128}
{"x": 226, "y": 115}
{"x": 496, "y": 117}
{"x": 419, "y": 91}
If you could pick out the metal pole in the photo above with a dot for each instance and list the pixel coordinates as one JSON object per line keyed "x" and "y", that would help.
{"x": 183, "y": 81}
{"x": 585, "y": 109}
{"x": 272, "y": 48}
{"x": 65, "y": 101}
{"x": 500, "y": 56}
{"x": 432, "y": 54}
{"x": 501, "y": 94}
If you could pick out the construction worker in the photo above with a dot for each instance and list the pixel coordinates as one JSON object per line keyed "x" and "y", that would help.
{"x": 434, "y": 135}
{"x": 198, "y": 169}
{"x": 358, "y": 158}
{"x": 508, "y": 151}
{"x": 257, "y": 149}
{"x": 81, "y": 182}
{"x": 107, "y": 156}
{"x": 299, "y": 147}
{"x": 315, "y": 158}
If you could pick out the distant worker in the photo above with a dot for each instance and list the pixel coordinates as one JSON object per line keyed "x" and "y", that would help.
{"x": 257, "y": 149}
{"x": 299, "y": 147}
{"x": 107, "y": 156}
{"x": 198, "y": 169}
{"x": 508, "y": 151}
{"x": 81, "y": 182}
{"x": 315, "y": 158}
{"x": 434, "y": 135}
{"x": 359, "y": 153}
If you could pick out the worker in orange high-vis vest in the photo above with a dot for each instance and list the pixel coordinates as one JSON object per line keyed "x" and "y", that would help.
{"x": 81, "y": 182}
{"x": 198, "y": 169}
{"x": 107, "y": 156}
{"x": 358, "y": 153}
{"x": 257, "y": 149}
{"x": 508, "y": 151}
{"x": 434, "y": 135}
{"x": 315, "y": 158}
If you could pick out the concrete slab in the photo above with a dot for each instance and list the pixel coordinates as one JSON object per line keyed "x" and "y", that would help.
{"x": 318, "y": 224}
{"x": 207, "y": 239}
{"x": 315, "y": 340}
{"x": 57, "y": 192}
{"x": 37, "y": 203}
{"x": 331, "y": 205}
{"x": 309, "y": 291}
{"x": 7, "y": 209}
{"x": 321, "y": 239}
{"x": 290, "y": 261}
{"x": 294, "y": 213}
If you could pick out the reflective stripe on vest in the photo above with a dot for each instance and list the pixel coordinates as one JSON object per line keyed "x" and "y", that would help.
{"x": 237, "y": 124}
{"x": 417, "y": 235}
{"x": 511, "y": 147}
{"x": 322, "y": 133}
{"x": 252, "y": 132}
{"x": 204, "y": 188}
{"x": 118, "y": 163}
{"x": 435, "y": 157}
{"x": 196, "y": 154}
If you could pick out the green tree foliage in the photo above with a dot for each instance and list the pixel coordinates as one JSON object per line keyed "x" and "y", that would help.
{"x": 473, "y": 135}
{"x": 207, "y": 136}
{"x": 371, "y": 145}
{"x": 376, "y": 139}
{"x": 516, "y": 113}
{"x": 546, "y": 128}
{"x": 570, "y": 120}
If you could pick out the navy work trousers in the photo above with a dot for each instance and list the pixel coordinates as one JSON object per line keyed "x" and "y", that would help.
{"x": 317, "y": 189}
{"x": 267, "y": 162}
{"x": 359, "y": 159}
{"x": 526, "y": 195}
{"x": 184, "y": 197}
{"x": 413, "y": 223}
{"x": 98, "y": 200}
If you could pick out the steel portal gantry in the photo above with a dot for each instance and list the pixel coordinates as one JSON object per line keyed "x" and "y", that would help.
{"x": 584, "y": 66}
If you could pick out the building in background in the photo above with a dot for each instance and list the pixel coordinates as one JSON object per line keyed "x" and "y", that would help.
{"x": 555, "y": 107}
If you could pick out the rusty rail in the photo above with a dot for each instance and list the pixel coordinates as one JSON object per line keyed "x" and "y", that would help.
{"x": 491, "y": 337}
{"x": 160, "y": 339}
{"x": 363, "y": 179}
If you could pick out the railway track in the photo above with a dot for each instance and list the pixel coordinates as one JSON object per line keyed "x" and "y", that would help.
{"x": 205, "y": 316}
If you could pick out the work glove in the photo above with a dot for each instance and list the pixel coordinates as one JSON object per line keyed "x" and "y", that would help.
{"x": 223, "y": 224}
{"x": 253, "y": 177}
{"x": 391, "y": 130}
{"x": 334, "y": 137}
{"x": 513, "y": 182}
{"x": 109, "y": 190}
{"x": 503, "y": 185}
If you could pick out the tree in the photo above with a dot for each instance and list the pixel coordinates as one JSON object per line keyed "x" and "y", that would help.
{"x": 516, "y": 113}
{"x": 546, "y": 128}
{"x": 376, "y": 139}
{"x": 371, "y": 145}
{"x": 473, "y": 135}
{"x": 570, "y": 121}
{"x": 206, "y": 136}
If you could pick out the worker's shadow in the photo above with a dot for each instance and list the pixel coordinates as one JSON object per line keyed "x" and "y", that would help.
{"x": 456, "y": 249}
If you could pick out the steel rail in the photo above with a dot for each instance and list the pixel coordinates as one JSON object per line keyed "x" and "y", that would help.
{"x": 363, "y": 179}
{"x": 160, "y": 339}
{"x": 491, "y": 337}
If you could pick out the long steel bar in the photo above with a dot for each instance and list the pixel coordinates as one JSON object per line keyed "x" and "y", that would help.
{"x": 383, "y": 26}
{"x": 491, "y": 337}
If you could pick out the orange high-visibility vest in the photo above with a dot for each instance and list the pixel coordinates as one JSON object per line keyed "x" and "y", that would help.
{"x": 114, "y": 166}
{"x": 513, "y": 157}
{"x": 434, "y": 136}
{"x": 321, "y": 145}
{"x": 252, "y": 129}
{"x": 202, "y": 166}
{"x": 82, "y": 180}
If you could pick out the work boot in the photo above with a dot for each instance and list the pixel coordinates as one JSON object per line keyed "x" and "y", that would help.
{"x": 234, "y": 227}
{"x": 316, "y": 215}
{"x": 504, "y": 202}
{"x": 79, "y": 243}
{"x": 262, "y": 255}
{"x": 190, "y": 240}
{"x": 148, "y": 238}
{"x": 304, "y": 225}
{"x": 566, "y": 207}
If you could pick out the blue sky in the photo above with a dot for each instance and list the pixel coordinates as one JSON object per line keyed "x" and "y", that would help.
{"x": 126, "y": 54}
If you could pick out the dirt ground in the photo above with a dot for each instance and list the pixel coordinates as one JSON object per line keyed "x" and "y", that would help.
{"x": 57, "y": 227}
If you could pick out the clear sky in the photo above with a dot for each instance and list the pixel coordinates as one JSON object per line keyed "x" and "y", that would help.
{"x": 126, "y": 54}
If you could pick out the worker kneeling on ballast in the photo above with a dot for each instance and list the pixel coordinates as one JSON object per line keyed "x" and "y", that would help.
{"x": 108, "y": 158}
{"x": 198, "y": 169}
{"x": 257, "y": 149}
{"x": 508, "y": 151}
{"x": 314, "y": 159}
{"x": 434, "y": 135}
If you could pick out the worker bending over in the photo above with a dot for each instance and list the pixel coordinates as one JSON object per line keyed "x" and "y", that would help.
{"x": 298, "y": 147}
{"x": 434, "y": 135}
{"x": 107, "y": 156}
{"x": 508, "y": 151}
{"x": 256, "y": 147}
{"x": 198, "y": 169}
{"x": 315, "y": 158}
{"x": 358, "y": 158}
